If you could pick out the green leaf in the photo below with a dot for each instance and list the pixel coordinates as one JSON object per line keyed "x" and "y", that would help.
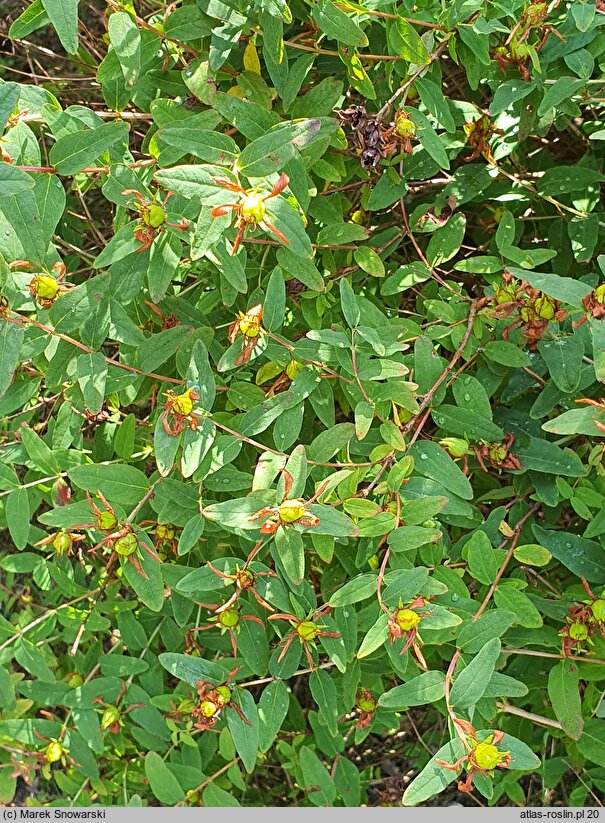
{"x": 446, "y": 241}
{"x": 193, "y": 669}
{"x": 125, "y": 38}
{"x": 434, "y": 778}
{"x": 542, "y": 456}
{"x": 75, "y": 151}
{"x": 209, "y": 146}
{"x": 270, "y": 153}
{"x": 9, "y": 96}
{"x": 509, "y": 598}
{"x": 576, "y": 421}
{"x": 464, "y": 424}
{"x": 368, "y": 260}
{"x": 162, "y": 782}
{"x": 592, "y": 742}
{"x": 597, "y": 330}
{"x": 348, "y": 303}
{"x": 583, "y": 14}
{"x": 245, "y": 735}
{"x": 355, "y": 590}
{"x": 63, "y": 14}
{"x": 149, "y": 586}
{"x": 561, "y": 90}
{"x": 38, "y": 452}
{"x": 22, "y": 211}
{"x": 14, "y": 180}
{"x": 323, "y": 690}
{"x": 428, "y": 137}
{"x": 563, "y": 358}
{"x": 532, "y": 554}
{"x": 332, "y": 522}
{"x": 274, "y": 306}
{"x": 482, "y": 560}
{"x": 11, "y": 339}
{"x": 165, "y": 448}
{"x": 428, "y": 687}
{"x": 214, "y": 796}
{"x": 565, "y": 179}
{"x": 318, "y": 785}
{"x": 470, "y": 684}
{"x": 158, "y": 348}
{"x": 434, "y": 462}
{"x": 92, "y": 376}
{"x": 123, "y": 484}
{"x": 506, "y": 354}
{"x": 475, "y": 634}
{"x": 585, "y": 558}
{"x": 32, "y": 19}
{"x": 337, "y": 25}
{"x": 18, "y": 514}
{"x": 375, "y": 637}
{"x": 329, "y": 442}
{"x": 564, "y": 694}
{"x": 290, "y": 549}
{"x": 408, "y": 43}
{"x": 434, "y": 100}
{"x": 407, "y": 538}
{"x": 272, "y": 709}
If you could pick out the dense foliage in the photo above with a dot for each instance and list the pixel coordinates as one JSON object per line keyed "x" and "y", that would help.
{"x": 302, "y": 345}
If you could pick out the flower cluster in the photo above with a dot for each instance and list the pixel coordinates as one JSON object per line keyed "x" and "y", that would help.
{"x": 534, "y": 309}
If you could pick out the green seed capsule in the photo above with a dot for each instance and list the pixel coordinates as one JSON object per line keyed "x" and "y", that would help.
{"x": 407, "y": 619}
{"x": 578, "y": 631}
{"x": 253, "y": 208}
{"x": 487, "y": 756}
{"x": 155, "y": 216}
{"x": 229, "y": 618}
{"x": 307, "y": 631}
{"x": 61, "y": 543}
{"x": 54, "y": 752}
{"x": 126, "y": 545}
{"x": 291, "y": 510}
{"x": 111, "y": 715}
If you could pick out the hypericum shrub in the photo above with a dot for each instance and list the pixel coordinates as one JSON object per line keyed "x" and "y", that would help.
{"x": 302, "y": 345}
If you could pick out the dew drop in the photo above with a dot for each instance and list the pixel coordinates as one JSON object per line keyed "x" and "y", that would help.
{"x": 568, "y": 545}
{"x": 424, "y": 456}
{"x": 467, "y": 398}
{"x": 455, "y": 597}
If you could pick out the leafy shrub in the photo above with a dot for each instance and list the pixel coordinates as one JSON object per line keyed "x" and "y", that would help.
{"x": 301, "y": 352}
